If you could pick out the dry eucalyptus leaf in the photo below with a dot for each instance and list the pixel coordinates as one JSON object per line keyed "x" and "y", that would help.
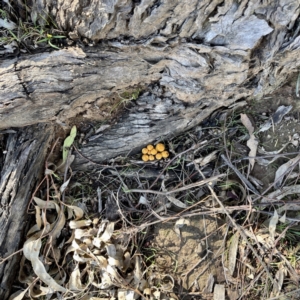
{"x": 19, "y": 295}
{"x": 59, "y": 225}
{"x": 75, "y": 283}
{"x": 38, "y": 218}
{"x": 282, "y": 219}
{"x": 280, "y": 275}
{"x": 176, "y": 202}
{"x": 79, "y": 233}
{"x": 252, "y": 143}
{"x": 209, "y": 284}
{"x": 46, "y": 204}
{"x": 31, "y": 251}
{"x": 64, "y": 185}
{"x": 276, "y": 117}
{"x": 283, "y": 169}
{"x": 79, "y": 224}
{"x": 266, "y": 162}
{"x": 219, "y": 292}
{"x": 78, "y": 212}
{"x": 272, "y": 225}
{"x": 279, "y": 194}
{"x": 107, "y": 234}
{"x": 137, "y": 273}
{"x": 232, "y": 252}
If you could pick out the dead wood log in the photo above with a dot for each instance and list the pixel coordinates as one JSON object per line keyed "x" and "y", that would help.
{"x": 192, "y": 56}
{"x": 23, "y": 162}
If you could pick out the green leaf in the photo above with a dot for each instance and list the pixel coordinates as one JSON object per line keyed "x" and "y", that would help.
{"x": 42, "y": 40}
{"x": 68, "y": 143}
{"x": 49, "y": 42}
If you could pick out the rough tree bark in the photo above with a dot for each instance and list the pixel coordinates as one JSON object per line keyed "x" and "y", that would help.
{"x": 189, "y": 57}
{"x": 21, "y": 168}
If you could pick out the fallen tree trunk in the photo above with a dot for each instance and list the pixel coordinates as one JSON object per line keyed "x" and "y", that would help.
{"x": 191, "y": 57}
{"x": 187, "y": 58}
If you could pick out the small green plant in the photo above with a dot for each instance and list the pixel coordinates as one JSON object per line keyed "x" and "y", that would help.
{"x": 49, "y": 38}
{"x": 30, "y": 34}
{"x": 292, "y": 235}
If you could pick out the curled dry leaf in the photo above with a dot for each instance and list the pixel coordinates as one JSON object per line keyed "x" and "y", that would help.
{"x": 75, "y": 283}
{"x": 79, "y": 224}
{"x": 284, "y": 169}
{"x": 77, "y": 211}
{"x": 19, "y": 295}
{"x": 31, "y": 251}
{"x": 46, "y": 204}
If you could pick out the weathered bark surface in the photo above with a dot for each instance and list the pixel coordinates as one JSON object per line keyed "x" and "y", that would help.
{"x": 197, "y": 56}
{"x": 23, "y": 164}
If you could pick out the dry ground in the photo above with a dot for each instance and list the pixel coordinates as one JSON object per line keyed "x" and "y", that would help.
{"x": 160, "y": 230}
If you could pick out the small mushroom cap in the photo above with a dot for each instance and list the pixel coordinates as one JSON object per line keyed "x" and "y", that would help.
{"x": 145, "y": 157}
{"x": 153, "y": 151}
{"x": 151, "y": 157}
{"x": 160, "y": 147}
{"x": 165, "y": 154}
{"x": 144, "y": 150}
{"x": 149, "y": 152}
{"x": 158, "y": 156}
{"x": 150, "y": 147}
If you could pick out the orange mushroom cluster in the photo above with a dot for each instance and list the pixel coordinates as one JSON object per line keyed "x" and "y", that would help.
{"x": 151, "y": 153}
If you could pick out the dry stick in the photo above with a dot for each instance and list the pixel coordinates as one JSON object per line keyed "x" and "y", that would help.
{"x": 2, "y": 260}
{"x": 209, "y": 212}
{"x": 241, "y": 232}
{"x": 240, "y": 175}
{"x": 189, "y": 186}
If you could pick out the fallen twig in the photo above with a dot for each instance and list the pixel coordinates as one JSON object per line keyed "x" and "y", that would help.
{"x": 184, "y": 188}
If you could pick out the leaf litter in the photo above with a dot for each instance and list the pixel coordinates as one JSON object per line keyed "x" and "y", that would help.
{"x": 156, "y": 231}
